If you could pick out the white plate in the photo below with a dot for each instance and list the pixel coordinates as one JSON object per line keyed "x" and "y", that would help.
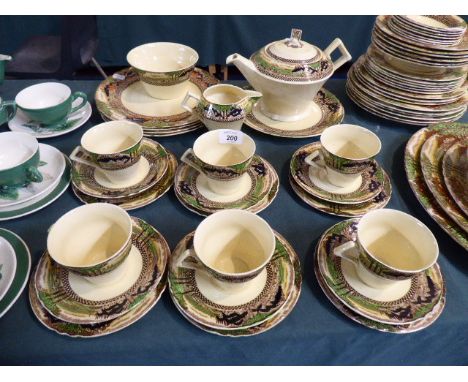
{"x": 51, "y": 172}
{"x": 74, "y": 121}
{"x": 7, "y": 266}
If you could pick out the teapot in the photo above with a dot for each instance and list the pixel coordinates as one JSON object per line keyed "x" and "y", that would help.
{"x": 289, "y": 73}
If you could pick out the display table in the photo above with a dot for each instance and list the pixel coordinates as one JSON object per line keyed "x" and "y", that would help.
{"x": 315, "y": 333}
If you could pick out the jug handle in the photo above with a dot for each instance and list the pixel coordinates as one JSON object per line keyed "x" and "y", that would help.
{"x": 345, "y": 56}
{"x": 186, "y": 99}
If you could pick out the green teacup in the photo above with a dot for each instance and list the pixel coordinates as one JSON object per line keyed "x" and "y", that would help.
{"x": 7, "y": 110}
{"x": 49, "y": 103}
{"x": 3, "y": 59}
{"x": 19, "y": 159}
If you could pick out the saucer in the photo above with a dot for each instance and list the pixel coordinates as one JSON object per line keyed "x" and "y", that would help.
{"x": 142, "y": 199}
{"x": 400, "y": 303}
{"x": 261, "y": 180}
{"x": 149, "y": 170}
{"x": 38, "y": 202}
{"x": 454, "y": 169}
{"x": 76, "y": 299}
{"x": 432, "y": 152}
{"x": 273, "y": 321}
{"x": 308, "y": 178}
{"x": 412, "y": 327}
{"x": 328, "y": 111}
{"x": 95, "y": 329}
{"x": 52, "y": 165}
{"x": 21, "y": 122}
{"x": 418, "y": 184}
{"x": 246, "y": 307}
{"x": 7, "y": 266}
{"x": 122, "y": 97}
{"x": 17, "y": 281}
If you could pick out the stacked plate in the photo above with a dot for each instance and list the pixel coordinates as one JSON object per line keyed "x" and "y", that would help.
{"x": 154, "y": 175}
{"x": 403, "y": 307}
{"x": 15, "y": 263}
{"x": 78, "y": 306}
{"x": 55, "y": 170}
{"x": 436, "y": 163}
{"x": 122, "y": 97}
{"x": 252, "y": 309}
{"x": 406, "y": 79}
{"x": 307, "y": 182}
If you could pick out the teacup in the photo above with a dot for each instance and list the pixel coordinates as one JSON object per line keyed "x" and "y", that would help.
{"x": 391, "y": 246}
{"x": 346, "y": 151}
{"x": 222, "y": 106}
{"x": 232, "y": 246}
{"x": 113, "y": 147}
{"x": 222, "y": 162}
{"x": 49, "y": 103}
{"x": 7, "y": 110}
{"x": 19, "y": 159}
{"x": 163, "y": 68}
{"x": 3, "y": 59}
{"x": 91, "y": 240}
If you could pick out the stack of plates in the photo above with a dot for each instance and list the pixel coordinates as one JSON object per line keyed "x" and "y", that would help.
{"x": 405, "y": 307}
{"x": 71, "y": 305}
{"x": 374, "y": 191}
{"x": 154, "y": 175}
{"x": 122, "y": 97}
{"x": 55, "y": 170}
{"x": 250, "y": 310}
{"x": 405, "y": 79}
{"x": 436, "y": 163}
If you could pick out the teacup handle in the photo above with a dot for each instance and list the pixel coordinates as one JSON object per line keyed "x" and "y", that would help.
{"x": 189, "y": 158}
{"x": 33, "y": 174}
{"x": 345, "y": 56}
{"x": 186, "y": 99}
{"x": 84, "y": 99}
{"x": 77, "y": 156}
{"x": 311, "y": 162}
{"x": 189, "y": 260}
{"x": 10, "y": 107}
{"x": 347, "y": 251}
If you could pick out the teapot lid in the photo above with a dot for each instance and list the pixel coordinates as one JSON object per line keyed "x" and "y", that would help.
{"x": 293, "y": 59}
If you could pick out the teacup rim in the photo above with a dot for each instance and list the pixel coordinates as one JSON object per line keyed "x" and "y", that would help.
{"x": 42, "y": 84}
{"x": 28, "y": 136}
{"x": 109, "y": 123}
{"x": 240, "y": 274}
{"x": 217, "y": 131}
{"x": 343, "y": 125}
{"x": 418, "y": 222}
{"x": 129, "y": 60}
{"x": 88, "y": 206}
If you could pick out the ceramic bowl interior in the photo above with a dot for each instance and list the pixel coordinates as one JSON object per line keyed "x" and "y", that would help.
{"x": 208, "y": 148}
{"x": 16, "y": 148}
{"x": 42, "y": 96}
{"x": 224, "y": 94}
{"x": 89, "y": 235}
{"x": 112, "y": 137}
{"x": 162, "y": 57}
{"x": 398, "y": 240}
{"x": 351, "y": 142}
{"x": 234, "y": 242}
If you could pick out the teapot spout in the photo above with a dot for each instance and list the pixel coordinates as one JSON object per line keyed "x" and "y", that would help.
{"x": 247, "y": 68}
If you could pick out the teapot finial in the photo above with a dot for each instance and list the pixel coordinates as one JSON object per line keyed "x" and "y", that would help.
{"x": 295, "y": 40}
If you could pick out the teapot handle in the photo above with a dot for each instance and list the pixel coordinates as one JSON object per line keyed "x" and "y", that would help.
{"x": 345, "y": 56}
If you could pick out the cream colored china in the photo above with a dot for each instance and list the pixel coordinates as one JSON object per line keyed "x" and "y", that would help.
{"x": 289, "y": 73}
{"x": 222, "y": 162}
{"x": 114, "y": 148}
{"x": 163, "y": 67}
{"x": 91, "y": 240}
{"x": 391, "y": 248}
{"x": 231, "y": 246}
{"x": 347, "y": 151}
{"x": 222, "y": 106}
